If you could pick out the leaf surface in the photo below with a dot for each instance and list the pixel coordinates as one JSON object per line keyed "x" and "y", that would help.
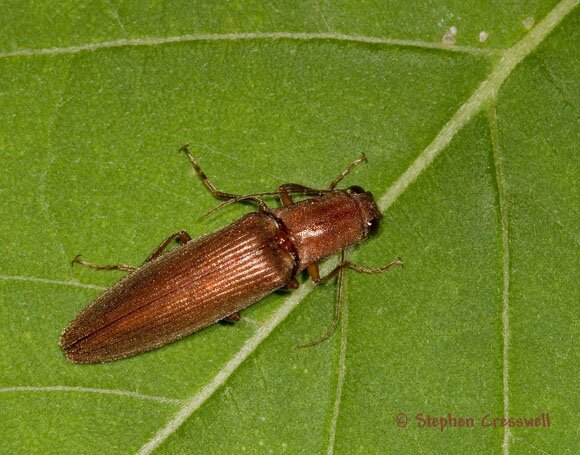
{"x": 473, "y": 157}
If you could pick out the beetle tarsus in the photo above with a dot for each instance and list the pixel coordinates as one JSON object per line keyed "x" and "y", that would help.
{"x": 358, "y": 268}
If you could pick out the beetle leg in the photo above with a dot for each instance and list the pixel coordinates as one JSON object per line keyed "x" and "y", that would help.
{"x": 234, "y": 317}
{"x": 204, "y": 178}
{"x": 337, "y": 306}
{"x": 339, "y": 270}
{"x": 313, "y": 272}
{"x": 285, "y": 190}
{"x": 285, "y": 198}
{"x": 182, "y": 236}
{"x": 291, "y": 285}
{"x": 228, "y": 198}
{"x": 358, "y": 268}
{"x": 349, "y": 168}
{"x": 283, "y": 193}
{"x": 122, "y": 267}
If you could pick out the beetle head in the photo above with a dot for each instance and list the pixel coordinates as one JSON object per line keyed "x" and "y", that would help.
{"x": 371, "y": 214}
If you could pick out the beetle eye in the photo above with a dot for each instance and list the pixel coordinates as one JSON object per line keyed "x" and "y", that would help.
{"x": 355, "y": 189}
{"x": 372, "y": 226}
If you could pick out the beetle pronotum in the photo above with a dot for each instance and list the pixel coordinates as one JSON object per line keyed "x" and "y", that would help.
{"x": 212, "y": 278}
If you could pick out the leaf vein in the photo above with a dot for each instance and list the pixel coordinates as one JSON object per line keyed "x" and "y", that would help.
{"x": 504, "y": 226}
{"x": 123, "y": 393}
{"x": 34, "y": 279}
{"x": 487, "y": 90}
{"x": 194, "y": 402}
{"x": 341, "y": 365}
{"x": 273, "y": 36}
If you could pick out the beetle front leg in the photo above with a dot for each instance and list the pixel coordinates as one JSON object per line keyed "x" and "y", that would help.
{"x": 361, "y": 159}
{"x": 204, "y": 178}
{"x": 358, "y": 268}
{"x": 315, "y": 276}
{"x": 314, "y": 273}
{"x": 284, "y": 195}
{"x": 339, "y": 270}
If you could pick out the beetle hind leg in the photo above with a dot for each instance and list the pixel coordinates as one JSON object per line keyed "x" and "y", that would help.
{"x": 90, "y": 265}
{"x": 182, "y": 236}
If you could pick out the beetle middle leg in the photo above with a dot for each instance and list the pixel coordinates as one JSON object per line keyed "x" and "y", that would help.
{"x": 182, "y": 236}
{"x": 228, "y": 198}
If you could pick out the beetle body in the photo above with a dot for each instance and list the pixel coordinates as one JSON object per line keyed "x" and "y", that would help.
{"x": 212, "y": 277}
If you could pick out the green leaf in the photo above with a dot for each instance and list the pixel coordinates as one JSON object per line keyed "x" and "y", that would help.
{"x": 473, "y": 157}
